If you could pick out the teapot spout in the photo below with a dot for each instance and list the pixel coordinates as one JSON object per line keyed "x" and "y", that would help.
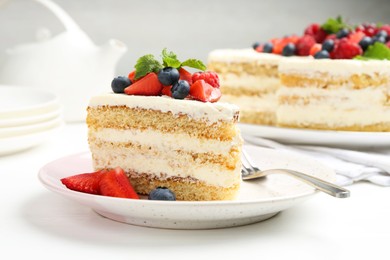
{"x": 113, "y": 50}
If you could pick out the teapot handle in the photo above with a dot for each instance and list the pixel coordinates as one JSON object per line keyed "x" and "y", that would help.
{"x": 66, "y": 20}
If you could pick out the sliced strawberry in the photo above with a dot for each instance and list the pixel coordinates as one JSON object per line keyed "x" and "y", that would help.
{"x": 146, "y": 86}
{"x": 356, "y": 37}
{"x": 315, "y": 48}
{"x": 203, "y": 91}
{"x": 185, "y": 75}
{"x": 166, "y": 90}
{"x": 84, "y": 182}
{"x": 132, "y": 76}
{"x": 116, "y": 184}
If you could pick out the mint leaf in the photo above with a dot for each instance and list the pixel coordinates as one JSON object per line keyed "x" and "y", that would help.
{"x": 170, "y": 59}
{"x": 145, "y": 65}
{"x": 377, "y": 51}
{"x": 194, "y": 63}
{"x": 334, "y": 25}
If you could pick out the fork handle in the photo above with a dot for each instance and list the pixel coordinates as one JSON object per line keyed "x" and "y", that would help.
{"x": 327, "y": 187}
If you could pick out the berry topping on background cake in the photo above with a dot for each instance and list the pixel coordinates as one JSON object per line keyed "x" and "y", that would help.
{"x": 154, "y": 78}
{"x": 335, "y": 39}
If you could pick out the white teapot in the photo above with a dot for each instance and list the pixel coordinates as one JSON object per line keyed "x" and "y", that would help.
{"x": 69, "y": 64}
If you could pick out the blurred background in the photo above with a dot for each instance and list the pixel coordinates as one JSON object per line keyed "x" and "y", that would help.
{"x": 191, "y": 28}
{"x": 72, "y": 68}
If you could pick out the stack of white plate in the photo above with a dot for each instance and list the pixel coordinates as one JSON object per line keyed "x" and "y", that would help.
{"x": 28, "y": 117}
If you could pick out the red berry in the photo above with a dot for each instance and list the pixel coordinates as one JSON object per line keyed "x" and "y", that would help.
{"x": 132, "y": 76}
{"x": 185, "y": 75}
{"x": 203, "y": 91}
{"x": 166, "y": 90}
{"x": 208, "y": 76}
{"x": 356, "y": 37}
{"x": 145, "y": 86}
{"x": 304, "y": 44}
{"x": 368, "y": 29}
{"x": 346, "y": 49}
{"x": 316, "y": 31}
{"x": 388, "y": 44}
{"x": 386, "y": 28}
{"x": 84, "y": 182}
{"x": 314, "y": 49}
{"x": 259, "y": 48}
{"x": 116, "y": 184}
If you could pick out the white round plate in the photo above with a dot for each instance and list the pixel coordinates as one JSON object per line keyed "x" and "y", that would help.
{"x": 30, "y": 119}
{"x": 22, "y": 101}
{"x": 258, "y": 199}
{"x": 20, "y": 143}
{"x": 317, "y": 137}
{"x": 7, "y": 132}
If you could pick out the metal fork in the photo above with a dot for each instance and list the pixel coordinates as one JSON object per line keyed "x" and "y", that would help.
{"x": 249, "y": 171}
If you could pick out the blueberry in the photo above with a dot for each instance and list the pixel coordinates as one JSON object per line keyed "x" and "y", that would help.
{"x": 382, "y": 33}
{"x": 180, "y": 89}
{"x": 289, "y": 50}
{"x": 365, "y": 42}
{"x": 323, "y": 54}
{"x": 119, "y": 84}
{"x": 328, "y": 45}
{"x": 379, "y": 38}
{"x": 268, "y": 47}
{"x": 161, "y": 193}
{"x": 255, "y": 45}
{"x": 168, "y": 76}
{"x": 342, "y": 33}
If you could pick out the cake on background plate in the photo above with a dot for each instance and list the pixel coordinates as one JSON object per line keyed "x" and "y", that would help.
{"x": 335, "y": 77}
{"x": 166, "y": 128}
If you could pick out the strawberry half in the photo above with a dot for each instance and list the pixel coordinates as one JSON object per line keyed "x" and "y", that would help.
{"x": 116, "y": 184}
{"x": 84, "y": 182}
{"x": 132, "y": 76}
{"x": 146, "y": 86}
{"x": 166, "y": 90}
{"x": 185, "y": 75}
{"x": 203, "y": 91}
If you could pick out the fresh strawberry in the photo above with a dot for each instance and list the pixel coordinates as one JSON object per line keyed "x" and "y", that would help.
{"x": 116, "y": 184}
{"x": 315, "y": 48}
{"x": 84, "y": 182}
{"x": 185, "y": 75}
{"x": 146, "y": 86}
{"x": 208, "y": 76}
{"x": 304, "y": 45}
{"x": 356, "y": 37}
{"x": 166, "y": 90}
{"x": 386, "y": 28}
{"x": 203, "y": 91}
{"x": 259, "y": 48}
{"x": 345, "y": 49}
{"x": 132, "y": 76}
{"x": 316, "y": 31}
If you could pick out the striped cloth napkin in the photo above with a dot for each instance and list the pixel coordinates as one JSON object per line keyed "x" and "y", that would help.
{"x": 351, "y": 166}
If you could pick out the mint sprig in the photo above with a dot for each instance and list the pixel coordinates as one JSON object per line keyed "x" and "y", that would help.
{"x": 170, "y": 59}
{"x": 377, "y": 51}
{"x": 148, "y": 63}
{"x": 194, "y": 63}
{"x": 145, "y": 65}
{"x": 333, "y": 25}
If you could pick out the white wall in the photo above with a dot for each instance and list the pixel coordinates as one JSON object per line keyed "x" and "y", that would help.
{"x": 191, "y": 28}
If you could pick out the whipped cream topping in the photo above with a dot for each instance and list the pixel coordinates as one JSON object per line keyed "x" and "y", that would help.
{"x": 242, "y": 55}
{"x": 212, "y": 112}
{"x": 336, "y": 67}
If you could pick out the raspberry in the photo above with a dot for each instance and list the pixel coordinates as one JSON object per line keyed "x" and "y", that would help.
{"x": 368, "y": 29}
{"x": 345, "y": 49}
{"x": 208, "y": 76}
{"x": 304, "y": 44}
{"x": 316, "y": 31}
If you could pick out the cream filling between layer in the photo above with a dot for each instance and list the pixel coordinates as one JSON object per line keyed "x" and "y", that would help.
{"x": 208, "y": 173}
{"x": 337, "y": 107}
{"x": 267, "y": 102}
{"x": 260, "y": 83}
{"x": 165, "y": 142}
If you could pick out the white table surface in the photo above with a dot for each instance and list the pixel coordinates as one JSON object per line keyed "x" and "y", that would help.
{"x": 39, "y": 224}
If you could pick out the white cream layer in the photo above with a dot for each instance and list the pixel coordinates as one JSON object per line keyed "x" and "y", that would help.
{"x": 243, "y": 55}
{"x": 336, "y": 107}
{"x": 259, "y": 83}
{"x": 310, "y": 66}
{"x": 167, "y": 166}
{"x": 211, "y": 112}
{"x": 264, "y": 103}
{"x": 177, "y": 141}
